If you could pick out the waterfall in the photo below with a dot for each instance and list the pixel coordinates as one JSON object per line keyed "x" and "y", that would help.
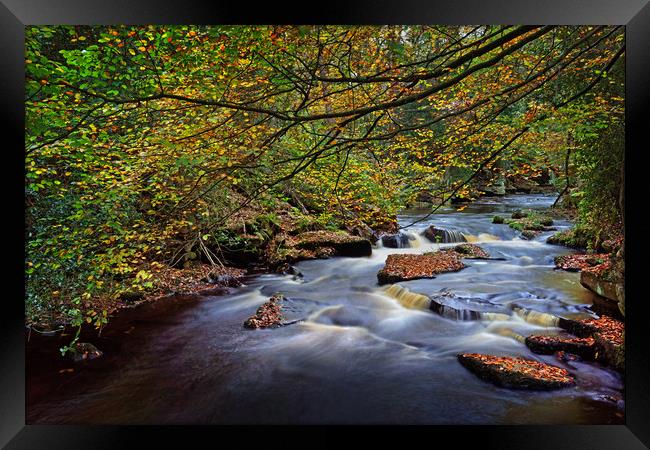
{"x": 413, "y": 300}
{"x": 407, "y": 298}
{"x": 493, "y": 317}
{"x": 481, "y": 237}
{"x": 443, "y": 236}
{"x": 537, "y": 318}
{"x": 452, "y": 236}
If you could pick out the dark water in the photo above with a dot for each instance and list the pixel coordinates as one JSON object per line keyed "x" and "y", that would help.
{"x": 360, "y": 355}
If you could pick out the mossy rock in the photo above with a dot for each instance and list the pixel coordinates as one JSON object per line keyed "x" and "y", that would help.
{"x": 497, "y": 219}
{"x": 519, "y": 214}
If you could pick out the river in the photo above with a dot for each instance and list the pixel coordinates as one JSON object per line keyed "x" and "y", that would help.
{"x": 359, "y": 355}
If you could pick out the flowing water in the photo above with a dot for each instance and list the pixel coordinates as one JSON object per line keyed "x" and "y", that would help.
{"x": 363, "y": 353}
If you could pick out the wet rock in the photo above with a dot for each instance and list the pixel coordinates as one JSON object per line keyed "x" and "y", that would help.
{"x": 610, "y": 349}
{"x": 398, "y": 240}
{"x": 516, "y": 372}
{"x": 520, "y": 184}
{"x": 600, "y": 286}
{"x": 84, "y": 351}
{"x": 269, "y": 314}
{"x": 519, "y": 214}
{"x": 222, "y": 279}
{"x": 443, "y": 236}
{"x": 573, "y": 238}
{"x": 471, "y": 251}
{"x": 459, "y": 200}
{"x": 364, "y": 231}
{"x": 333, "y": 243}
{"x": 529, "y": 234}
{"x": 410, "y": 267}
{"x": 547, "y": 345}
{"x": 608, "y": 334}
{"x": 288, "y": 269}
{"x": 498, "y": 219}
{"x": 578, "y": 262}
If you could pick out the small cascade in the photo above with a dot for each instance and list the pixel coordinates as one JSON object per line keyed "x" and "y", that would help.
{"x": 507, "y": 332}
{"x": 415, "y": 240}
{"x": 407, "y": 298}
{"x": 442, "y": 236}
{"x": 494, "y": 317}
{"x": 481, "y": 237}
{"x": 464, "y": 314}
{"x": 538, "y": 318}
{"x": 452, "y": 236}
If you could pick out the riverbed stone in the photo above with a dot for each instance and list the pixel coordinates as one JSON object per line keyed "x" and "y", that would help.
{"x": 608, "y": 334}
{"x": 604, "y": 288}
{"x": 471, "y": 251}
{"x": 343, "y": 243}
{"x": 269, "y": 314}
{"x": 516, "y": 372}
{"x": 610, "y": 349}
{"x": 398, "y": 240}
{"x": 547, "y": 345}
{"x": 402, "y": 267}
{"x": 577, "y": 262}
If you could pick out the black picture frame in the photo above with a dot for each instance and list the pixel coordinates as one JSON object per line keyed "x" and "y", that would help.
{"x": 634, "y": 14}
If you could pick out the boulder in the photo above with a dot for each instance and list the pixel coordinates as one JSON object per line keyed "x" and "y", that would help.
{"x": 610, "y": 349}
{"x": 364, "y": 231}
{"x": 516, "y": 372}
{"x": 547, "y": 345}
{"x": 608, "y": 334}
{"x": 529, "y": 234}
{"x": 402, "y": 267}
{"x": 288, "y": 269}
{"x": 590, "y": 326}
{"x": 398, "y": 240}
{"x": 443, "y": 236}
{"x": 604, "y": 288}
{"x": 343, "y": 244}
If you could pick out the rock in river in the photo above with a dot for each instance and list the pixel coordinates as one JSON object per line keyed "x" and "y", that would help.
{"x": 443, "y": 236}
{"x": 398, "y": 240}
{"x": 267, "y": 315}
{"x": 547, "y": 345}
{"x": 401, "y": 267}
{"x": 608, "y": 334}
{"x": 515, "y": 372}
